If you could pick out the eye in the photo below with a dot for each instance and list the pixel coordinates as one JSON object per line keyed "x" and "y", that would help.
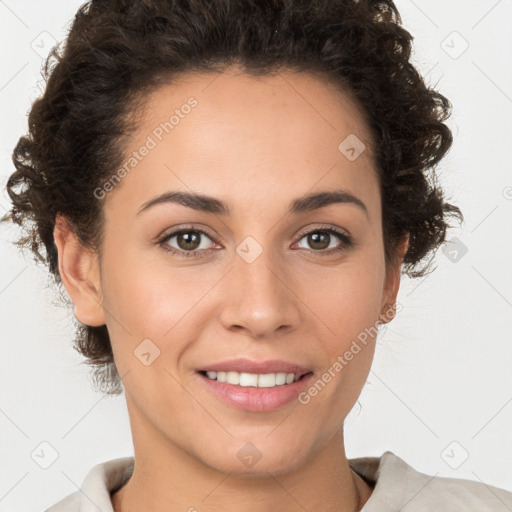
{"x": 193, "y": 242}
{"x": 321, "y": 239}
{"x": 189, "y": 242}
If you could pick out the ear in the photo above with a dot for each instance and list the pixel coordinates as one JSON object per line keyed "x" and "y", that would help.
{"x": 392, "y": 284}
{"x": 79, "y": 271}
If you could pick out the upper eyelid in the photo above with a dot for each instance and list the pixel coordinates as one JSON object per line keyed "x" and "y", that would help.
{"x": 179, "y": 230}
{"x": 327, "y": 227}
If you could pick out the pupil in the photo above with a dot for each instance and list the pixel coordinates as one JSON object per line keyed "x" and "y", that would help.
{"x": 314, "y": 239}
{"x": 190, "y": 241}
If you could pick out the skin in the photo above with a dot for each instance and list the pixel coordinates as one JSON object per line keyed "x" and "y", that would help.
{"x": 256, "y": 144}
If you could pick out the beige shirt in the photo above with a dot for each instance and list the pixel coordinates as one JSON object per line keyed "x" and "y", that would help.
{"x": 397, "y": 487}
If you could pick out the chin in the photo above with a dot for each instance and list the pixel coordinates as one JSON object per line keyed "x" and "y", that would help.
{"x": 255, "y": 460}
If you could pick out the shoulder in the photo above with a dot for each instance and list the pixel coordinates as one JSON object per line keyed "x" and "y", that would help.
{"x": 70, "y": 503}
{"x": 398, "y": 486}
{"x": 94, "y": 493}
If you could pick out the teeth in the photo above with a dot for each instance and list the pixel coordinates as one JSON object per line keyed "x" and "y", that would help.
{"x": 260, "y": 380}
{"x": 281, "y": 378}
{"x": 247, "y": 379}
{"x": 232, "y": 378}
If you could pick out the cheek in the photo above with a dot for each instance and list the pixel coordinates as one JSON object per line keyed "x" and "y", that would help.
{"x": 346, "y": 299}
{"x": 357, "y": 302}
{"x": 347, "y": 302}
{"x": 150, "y": 300}
{"x": 346, "y": 306}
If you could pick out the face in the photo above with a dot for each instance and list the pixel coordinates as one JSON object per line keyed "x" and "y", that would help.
{"x": 258, "y": 281}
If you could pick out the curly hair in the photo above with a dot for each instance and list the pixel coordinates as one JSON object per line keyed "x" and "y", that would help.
{"x": 118, "y": 51}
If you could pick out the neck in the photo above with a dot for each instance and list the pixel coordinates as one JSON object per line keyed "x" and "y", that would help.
{"x": 166, "y": 478}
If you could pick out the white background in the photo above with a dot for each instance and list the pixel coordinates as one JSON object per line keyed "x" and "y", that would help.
{"x": 442, "y": 371}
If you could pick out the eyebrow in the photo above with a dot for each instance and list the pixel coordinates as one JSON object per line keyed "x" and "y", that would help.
{"x": 208, "y": 204}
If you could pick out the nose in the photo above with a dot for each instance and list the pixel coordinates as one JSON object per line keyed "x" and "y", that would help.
{"x": 259, "y": 299}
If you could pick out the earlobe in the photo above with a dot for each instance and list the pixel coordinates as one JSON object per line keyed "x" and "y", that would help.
{"x": 79, "y": 271}
{"x": 392, "y": 285}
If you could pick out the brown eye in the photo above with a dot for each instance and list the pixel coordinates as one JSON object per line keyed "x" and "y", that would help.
{"x": 188, "y": 242}
{"x": 323, "y": 241}
{"x": 319, "y": 240}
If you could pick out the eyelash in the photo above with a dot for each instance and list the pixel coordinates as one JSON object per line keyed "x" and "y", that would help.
{"x": 345, "y": 239}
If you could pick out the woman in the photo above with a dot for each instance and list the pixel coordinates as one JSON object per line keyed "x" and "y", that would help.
{"x": 229, "y": 192}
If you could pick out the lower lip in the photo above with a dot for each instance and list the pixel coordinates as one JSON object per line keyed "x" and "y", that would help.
{"x": 257, "y": 399}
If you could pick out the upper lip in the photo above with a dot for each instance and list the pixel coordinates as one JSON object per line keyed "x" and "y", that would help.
{"x": 249, "y": 366}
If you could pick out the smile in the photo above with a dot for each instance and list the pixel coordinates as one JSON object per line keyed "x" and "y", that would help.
{"x": 257, "y": 392}
{"x": 259, "y": 380}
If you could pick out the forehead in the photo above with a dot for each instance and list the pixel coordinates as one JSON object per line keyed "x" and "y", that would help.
{"x": 232, "y": 134}
{"x": 307, "y": 105}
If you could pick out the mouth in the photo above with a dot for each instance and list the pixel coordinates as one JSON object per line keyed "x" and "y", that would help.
{"x": 256, "y": 380}
{"x": 258, "y": 386}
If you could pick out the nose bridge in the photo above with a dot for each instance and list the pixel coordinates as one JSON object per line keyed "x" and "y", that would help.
{"x": 260, "y": 300}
